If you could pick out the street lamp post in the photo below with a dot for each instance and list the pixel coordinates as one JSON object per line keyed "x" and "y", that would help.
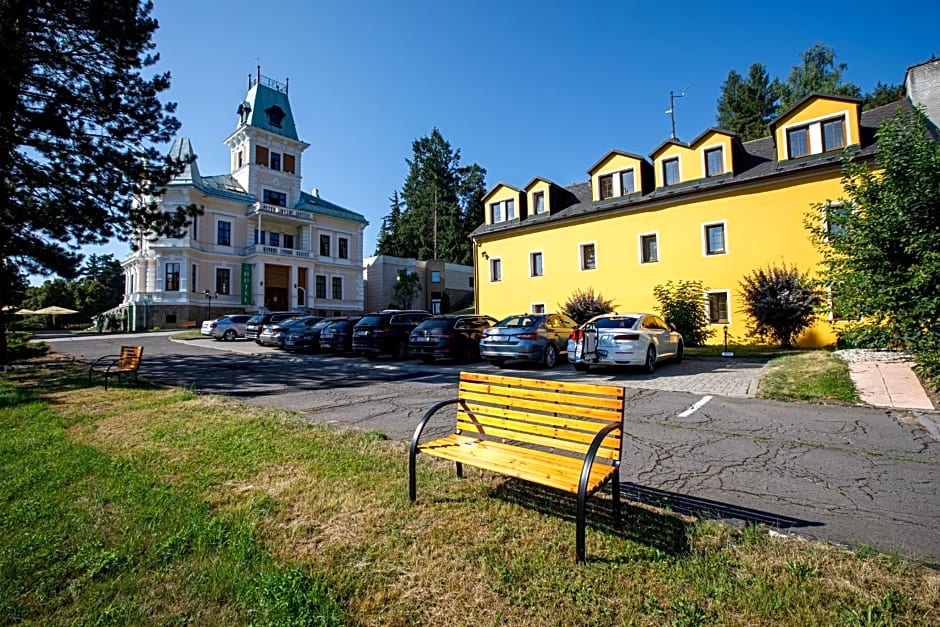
{"x": 146, "y": 311}
{"x": 209, "y": 297}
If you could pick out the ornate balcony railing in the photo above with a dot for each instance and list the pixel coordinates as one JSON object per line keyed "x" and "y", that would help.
{"x": 281, "y": 212}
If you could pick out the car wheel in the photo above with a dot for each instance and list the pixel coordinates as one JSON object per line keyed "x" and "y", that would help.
{"x": 650, "y": 364}
{"x": 428, "y": 359}
{"x": 497, "y": 362}
{"x": 580, "y": 366}
{"x": 229, "y": 335}
{"x": 680, "y": 352}
{"x": 550, "y": 356}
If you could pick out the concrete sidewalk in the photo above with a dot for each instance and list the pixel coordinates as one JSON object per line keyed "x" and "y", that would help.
{"x": 886, "y": 379}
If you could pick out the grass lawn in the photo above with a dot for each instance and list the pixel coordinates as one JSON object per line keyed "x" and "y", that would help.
{"x": 153, "y": 505}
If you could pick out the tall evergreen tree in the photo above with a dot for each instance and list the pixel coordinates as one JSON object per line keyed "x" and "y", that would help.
{"x": 78, "y": 128}
{"x": 388, "y": 234}
{"x": 818, "y": 72}
{"x": 747, "y": 105}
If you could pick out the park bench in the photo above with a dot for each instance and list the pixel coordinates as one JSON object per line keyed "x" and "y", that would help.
{"x": 117, "y": 365}
{"x": 565, "y": 436}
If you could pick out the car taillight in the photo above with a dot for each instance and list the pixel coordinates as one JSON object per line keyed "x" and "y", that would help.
{"x": 577, "y": 335}
{"x": 627, "y": 337}
{"x": 213, "y": 325}
{"x": 526, "y": 336}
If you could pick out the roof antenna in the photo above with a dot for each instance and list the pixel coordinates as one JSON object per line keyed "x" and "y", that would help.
{"x": 671, "y": 111}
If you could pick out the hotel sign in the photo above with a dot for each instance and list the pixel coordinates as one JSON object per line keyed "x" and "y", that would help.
{"x": 246, "y": 283}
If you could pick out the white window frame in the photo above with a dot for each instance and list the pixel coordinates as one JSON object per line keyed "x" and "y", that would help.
{"x": 506, "y": 209}
{"x": 231, "y": 231}
{"x": 493, "y": 263}
{"x": 340, "y": 236}
{"x": 724, "y": 162}
{"x": 215, "y": 279}
{"x": 614, "y": 177}
{"x": 708, "y": 313}
{"x": 494, "y": 207}
{"x": 814, "y": 138}
{"x": 662, "y": 169}
{"x": 639, "y": 241}
{"x": 703, "y": 229}
{"x": 536, "y": 194}
{"x": 581, "y": 247}
{"x": 537, "y": 308}
{"x": 532, "y": 255}
{"x": 321, "y": 235}
{"x": 619, "y": 179}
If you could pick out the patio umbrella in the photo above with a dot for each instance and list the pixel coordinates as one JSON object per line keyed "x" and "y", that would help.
{"x": 23, "y": 312}
{"x": 55, "y": 310}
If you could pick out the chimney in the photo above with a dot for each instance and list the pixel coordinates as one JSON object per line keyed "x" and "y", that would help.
{"x": 315, "y": 192}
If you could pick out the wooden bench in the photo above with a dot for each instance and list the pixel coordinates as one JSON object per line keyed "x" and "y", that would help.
{"x": 565, "y": 436}
{"x": 126, "y": 363}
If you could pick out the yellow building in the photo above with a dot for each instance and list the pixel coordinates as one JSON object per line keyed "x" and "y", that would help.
{"x": 711, "y": 210}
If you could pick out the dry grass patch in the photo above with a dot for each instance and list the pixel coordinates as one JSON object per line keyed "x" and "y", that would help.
{"x": 814, "y": 376}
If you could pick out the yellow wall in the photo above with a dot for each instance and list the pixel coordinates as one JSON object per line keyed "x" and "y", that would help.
{"x": 759, "y": 223}
{"x": 688, "y": 169}
{"x": 815, "y": 110}
{"x": 615, "y": 163}
{"x": 707, "y": 142}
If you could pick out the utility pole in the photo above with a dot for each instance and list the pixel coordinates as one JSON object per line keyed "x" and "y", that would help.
{"x": 671, "y": 111}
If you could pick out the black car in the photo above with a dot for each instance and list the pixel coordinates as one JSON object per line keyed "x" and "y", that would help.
{"x": 307, "y": 339}
{"x": 253, "y": 328}
{"x": 456, "y": 337}
{"x": 337, "y": 337}
{"x": 274, "y": 333}
{"x": 386, "y": 332}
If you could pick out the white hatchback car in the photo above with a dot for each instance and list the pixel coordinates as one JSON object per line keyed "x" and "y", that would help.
{"x": 632, "y": 339}
{"x": 229, "y": 327}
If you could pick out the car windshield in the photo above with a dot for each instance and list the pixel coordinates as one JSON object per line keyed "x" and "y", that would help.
{"x": 615, "y": 323}
{"x": 434, "y": 324}
{"x": 514, "y": 322}
{"x": 342, "y": 324}
{"x": 370, "y": 321}
{"x": 322, "y": 324}
{"x": 256, "y": 319}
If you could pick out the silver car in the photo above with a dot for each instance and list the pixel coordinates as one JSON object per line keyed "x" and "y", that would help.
{"x": 227, "y": 327}
{"x": 632, "y": 339}
{"x": 532, "y": 337}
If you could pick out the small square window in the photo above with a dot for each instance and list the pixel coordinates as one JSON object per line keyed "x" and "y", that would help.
{"x": 607, "y": 186}
{"x": 718, "y": 307}
{"x": 627, "y": 182}
{"x": 496, "y": 270}
{"x": 671, "y": 171}
{"x": 538, "y": 308}
{"x": 274, "y": 198}
{"x": 535, "y": 264}
{"x": 435, "y": 276}
{"x": 715, "y": 239}
{"x": 798, "y": 142}
{"x": 714, "y": 162}
{"x": 588, "y": 259}
{"x": 649, "y": 249}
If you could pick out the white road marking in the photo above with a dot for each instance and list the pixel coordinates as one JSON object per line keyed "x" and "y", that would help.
{"x": 694, "y": 408}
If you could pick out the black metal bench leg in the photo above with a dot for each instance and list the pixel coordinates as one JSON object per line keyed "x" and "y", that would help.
{"x": 459, "y": 470}
{"x": 412, "y": 487}
{"x": 579, "y": 537}
{"x": 615, "y": 495}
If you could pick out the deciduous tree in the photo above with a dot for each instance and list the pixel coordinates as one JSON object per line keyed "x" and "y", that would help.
{"x": 818, "y": 72}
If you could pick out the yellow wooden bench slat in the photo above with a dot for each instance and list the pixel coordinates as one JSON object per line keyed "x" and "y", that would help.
{"x": 127, "y": 362}
{"x": 566, "y": 436}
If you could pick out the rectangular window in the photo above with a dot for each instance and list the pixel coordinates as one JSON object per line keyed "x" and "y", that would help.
{"x": 671, "y": 171}
{"x": 261, "y": 155}
{"x": 718, "y": 307}
{"x": 714, "y": 162}
{"x": 196, "y": 228}
{"x": 606, "y": 183}
{"x": 496, "y": 270}
{"x": 324, "y": 245}
{"x": 274, "y": 239}
{"x": 171, "y": 282}
{"x": 649, "y": 249}
{"x": 223, "y": 280}
{"x": 833, "y": 135}
{"x": 538, "y": 202}
{"x": 224, "y": 233}
{"x": 240, "y": 158}
{"x": 274, "y": 198}
{"x": 538, "y": 308}
{"x": 627, "y": 182}
{"x": 510, "y": 209}
{"x": 192, "y": 278}
{"x": 289, "y": 164}
{"x": 535, "y": 264}
{"x": 343, "y": 245}
{"x": 259, "y": 237}
{"x": 275, "y": 161}
{"x": 435, "y": 276}
{"x": 798, "y": 142}
{"x": 496, "y": 212}
{"x": 338, "y": 288}
{"x": 288, "y": 240}
{"x": 588, "y": 259}
{"x": 715, "y": 239}
{"x": 321, "y": 286}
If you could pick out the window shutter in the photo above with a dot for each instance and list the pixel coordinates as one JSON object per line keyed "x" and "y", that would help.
{"x": 261, "y": 155}
{"x": 289, "y": 164}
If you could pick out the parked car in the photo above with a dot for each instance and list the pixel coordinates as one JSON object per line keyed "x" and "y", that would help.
{"x": 337, "y": 337}
{"x": 307, "y": 339}
{"x": 386, "y": 332}
{"x": 227, "y": 327}
{"x": 273, "y": 334}
{"x": 533, "y": 337}
{"x": 253, "y": 328}
{"x": 456, "y": 337}
{"x": 634, "y": 339}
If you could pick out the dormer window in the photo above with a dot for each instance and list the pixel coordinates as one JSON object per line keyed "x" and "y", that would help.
{"x": 816, "y": 137}
{"x": 714, "y": 162}
{"x": 510, "y": 209}
{"x": 496, "y": 212}
{"x": 275, "y": 115}
{"x": 833, "y": 134}
{"x": 607, "y": 186}
{"x": 627, "y": 182}
{"x": 798, "y": 142}
{"x": 538, "y": 202}
{"x": 671, "y": 171}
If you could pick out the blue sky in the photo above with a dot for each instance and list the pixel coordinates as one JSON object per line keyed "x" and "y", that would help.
{"x": 523, "y": 88}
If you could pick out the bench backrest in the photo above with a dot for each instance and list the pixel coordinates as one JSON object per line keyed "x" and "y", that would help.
{"x": 553, "y": 415}
{"x": 130, "y": 357}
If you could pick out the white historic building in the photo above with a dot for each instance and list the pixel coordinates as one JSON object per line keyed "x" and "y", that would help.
{"x": 261, "y": 243}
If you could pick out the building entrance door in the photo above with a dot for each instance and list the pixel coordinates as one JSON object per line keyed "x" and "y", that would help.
{"x": 276, "y": 280}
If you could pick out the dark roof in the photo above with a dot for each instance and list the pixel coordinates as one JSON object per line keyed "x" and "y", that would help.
{"x": 671, "y": 141}
{"x": 615, "y": 152}
{"x": 316, "y": 204}
{"x": 758, "y": 161}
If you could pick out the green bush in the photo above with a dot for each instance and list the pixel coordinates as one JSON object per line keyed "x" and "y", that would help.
{"x": 780, "y": 302}
{"x": 682, "y": 304}
{"x": 583, "y": 305}
{"x": 19, "y": 346}
{"x": 872, "y": 336}
{"x": 928, "y": 368}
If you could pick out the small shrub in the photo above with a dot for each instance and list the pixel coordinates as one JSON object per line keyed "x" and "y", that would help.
{"x": 583, "y": 305}
{"x": 780, "y": 302}
{"x": 683, "y": 305}
{"x": 928, "y": 368}
{"x": 868, "y": 336}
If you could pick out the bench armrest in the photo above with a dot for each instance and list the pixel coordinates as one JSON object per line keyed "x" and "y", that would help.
{"x": 413, "y": 449}
{"x": 97, "y": 362}
{"x": 592, "y": 454}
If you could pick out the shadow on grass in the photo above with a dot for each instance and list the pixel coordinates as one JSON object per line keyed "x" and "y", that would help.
{"x": 659, "y": 530}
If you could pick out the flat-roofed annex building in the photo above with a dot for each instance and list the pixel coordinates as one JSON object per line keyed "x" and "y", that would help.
{"x": 261, "y": 243}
